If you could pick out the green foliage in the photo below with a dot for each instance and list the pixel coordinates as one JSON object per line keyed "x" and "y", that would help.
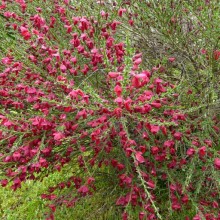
{"x": 162, "y": 29}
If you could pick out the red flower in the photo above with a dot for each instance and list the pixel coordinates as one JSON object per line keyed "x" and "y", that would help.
{"x": 172, "y": 59}
{"x": 52, "y": 207}
{"x": 113, "y": 74}
{"x": 137, "y": 61}
{"x": 58, "y": 136}
{"x": 141, "y": 215}
{"x": 151, "y": 184}
{"x": 63, "y": 68}
{"x": 190, "y": 151}
{"x": 131, "y": 22}
{"x": 124, "y": 216}
{"x": 118, "y": 90}
{"x": 4, "y": 182}
{"x": 154, "y": 150}
{"x": 203, "y": 51}
{"x": 121, "y": 11}
{"x": 136, "y": 82}
{"x": 25, "y": 33}
{"x": 185, "y": 199}
{"x": 197, "y": 217}
{"x": 216, "y": 54}
{"x": 202, "y": 151}
{"x": 217, "y": 163}
{"x": 119, "y": 101}
{"x": 139, "y": 157}
{"x": 177, "y": 136}
{"x": 154, "y": 129}
{"x": 83, "y": 190}
{"x": 16, "y": 156}
{"x": 90, "y": 180}
{"x": 215, "y": 204}
{"x": 176, "y": 206}
{"x": 156, "y": 104}
{"x": 52, "y": 197}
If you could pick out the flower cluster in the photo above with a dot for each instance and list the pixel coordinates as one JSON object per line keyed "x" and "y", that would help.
{"x": 77, "y": 93}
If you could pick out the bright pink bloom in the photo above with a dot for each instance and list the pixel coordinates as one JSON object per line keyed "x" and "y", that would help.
{"x": 58, "y": 136}
{"x": 118, "y": 90}
{"x": 137, "y": 61}
{"x": 217, "y": 163}
{"x": 121, "y": 11}
{"x": 172, "y": 59}
{"x": 190, "y": 151}
{"x": 156, "y": 104}
{"x": 25, "y": 33}
{"x": 16, "y": 156}
{"x": 4, "y": 182}
{"x": 176, "y": 206}
{"x": 203, "y": 51}
{"x": 197, "y": 217}
{"x": 151, "y": 184}
{"x": 63, "y": 68}
{"x": 113, "y": 74}
{"x": 154, "y": 129}
{"x": 216, "y": 54}
{"x": 202, "y": 151}
{"x": 139, "y": 157}
{"x": 83, "y": 190}
{"x": 154, "y": 150}
{"x": 178, "y": 135}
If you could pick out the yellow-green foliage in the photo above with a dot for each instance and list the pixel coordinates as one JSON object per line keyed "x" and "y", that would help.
{"x": 26, "y": 203}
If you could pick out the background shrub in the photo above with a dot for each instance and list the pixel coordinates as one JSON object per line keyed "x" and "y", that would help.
{"x": 116, "y": 106}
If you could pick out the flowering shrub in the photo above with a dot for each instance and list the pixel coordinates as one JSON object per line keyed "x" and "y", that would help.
{"x": 75, "y": 90}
